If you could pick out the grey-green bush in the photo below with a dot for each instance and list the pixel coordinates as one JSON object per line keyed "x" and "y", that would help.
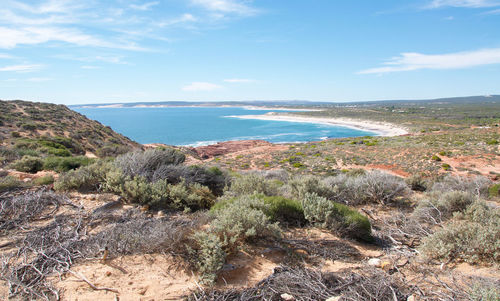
{"x": 251, "y": 183}
{"x": 438, "y": 207}
{"x": 473, "y": 236}
{"x": 336, "y": 217}
{"x": 209, "y": 256}
{"x": 478, "y": 185}
{"x": 28, "y": 164}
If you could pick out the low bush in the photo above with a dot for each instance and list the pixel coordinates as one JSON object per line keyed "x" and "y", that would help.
{"x": 209, "y": 256}
{"x": 298, "y": 187}
{"x": 375, "y": 187}
{"x": 494, "y": 190}
{"x": 212, "y": 177}
{"x": 28, "y": 164}
{"x": 336, "y": 217}
{"x": 86, "y": 178}
{"x": 278, "y": 209}
{"x": 146, "y": 163}
{"x": 472, "y": 236}
{"x": 242, "y": 219}
{"x": 251, "y": 183}
{"x": 9, "y": 183}
{"x": 417, "y": 182}
{"x": 438, "y": 207}
{"x": 60, "y": 164}
{"x": 477, "y": 185}
{"x": 45, "y": 180}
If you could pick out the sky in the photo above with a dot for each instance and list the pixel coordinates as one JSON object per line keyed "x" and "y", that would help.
{"x": 76, "y": 52}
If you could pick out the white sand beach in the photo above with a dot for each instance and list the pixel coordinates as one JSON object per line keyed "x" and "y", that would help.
{"x": 380, "y": 128}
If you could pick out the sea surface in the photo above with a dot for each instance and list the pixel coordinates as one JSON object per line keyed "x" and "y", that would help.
{"x": 197, "y": 126}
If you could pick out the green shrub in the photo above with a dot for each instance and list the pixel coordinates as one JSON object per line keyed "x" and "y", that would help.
{"x": 9, "y": 183}
{"x": 45, "y": 180}
{"x": 86, "y": 178}
{"x": 336, "y": 217}
{"x": 209, "y": 256}
{"x": 494, "y": 190}
{"x": 28, "y": 164}
{"x": 436, "y": 158}
{"x": 278, "y": 209}
{"x": 492, "y": 142}
{"x": 242, "y": 219}
{"x": 446, "y": 166}
{"x": 28, "y": 126}
{"x": 60, "y": 152}
{"x": 65, "y": 164}
{"x": 471, "y": 236}
{"x": 417, "y": 182}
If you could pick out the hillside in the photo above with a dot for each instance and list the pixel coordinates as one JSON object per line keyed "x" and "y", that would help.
{"x": 43, "y": 127}
{"x": 403, "y": 218}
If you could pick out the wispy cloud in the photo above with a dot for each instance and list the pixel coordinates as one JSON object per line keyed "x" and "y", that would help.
{"x": 5, "y": 56}
{"x": 416, "y": 61}
{"x": 145, "y": 6}
{"x": 90, "y": 67}
{"x": 185, "y": 18}
{"x": 239, "y": 80}
{"x": 39, "y": 79}
{"x": 227, "y": 7}
{"x": 464, "y": 3}
{"x": 21, "y": 68}
{"x": 201, "y": 86}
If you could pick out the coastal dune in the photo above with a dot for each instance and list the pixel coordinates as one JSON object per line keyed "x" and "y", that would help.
{"x": 380, "y": 128}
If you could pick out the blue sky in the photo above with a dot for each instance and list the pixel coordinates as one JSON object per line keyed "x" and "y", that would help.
{"x": 73, "y": 51}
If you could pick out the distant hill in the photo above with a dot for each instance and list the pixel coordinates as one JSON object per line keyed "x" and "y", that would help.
{"x": 57, "y": 129}
{"x": 296, "y": 103}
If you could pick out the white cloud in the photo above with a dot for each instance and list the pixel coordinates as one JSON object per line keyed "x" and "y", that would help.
{"x": 416, "y": 61}
{"x": 5, "y": 56}
{"x": 20, "y": 68}
{"x": 464, "y": 3}
{"x": 185, "y": 18}
{"x": 145, "y": 6}
{"x": 239, "y": 80}
{"x": 39, "y": 79}
{"x": 90, "y": 67}
{"x": 226, "y": 6}
{"x": 12, "y": 37}
{"x": 201, "y": 86}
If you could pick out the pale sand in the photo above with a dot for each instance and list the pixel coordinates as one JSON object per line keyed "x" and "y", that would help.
{"x": 380, "y": 128}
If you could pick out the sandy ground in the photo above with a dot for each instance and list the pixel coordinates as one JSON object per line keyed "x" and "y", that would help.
{"x": 382, "y": 129}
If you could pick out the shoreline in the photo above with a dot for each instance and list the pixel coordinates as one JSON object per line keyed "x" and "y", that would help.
{"x": 379, "y": 128}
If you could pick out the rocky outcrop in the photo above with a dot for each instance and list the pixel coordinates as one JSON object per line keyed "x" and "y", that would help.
{"x": 223, "y": 148}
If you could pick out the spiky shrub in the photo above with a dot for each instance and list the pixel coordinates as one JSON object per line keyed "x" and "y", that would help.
{"x": 375, "y": 187}
{"x": 145, "y": 163}
{"x": 472, "y": 236}
{"x": 494, "y": 190}
{"x": 62, "y": 164}
{"x": 439, "y": 207}
{"x": 477, "y": 185}
{"x": 28, "y": 164}
{"x": 482, "y": 292}
{"x": 336, "y": 217}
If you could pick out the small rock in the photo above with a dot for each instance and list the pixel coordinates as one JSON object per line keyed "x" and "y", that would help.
{"x": 160, "y": 214}
{"x": 411, "y": 298}
{"x": 108, "y": 273}
{"x": 386, "y": 265}
{"x": 142, "y": 291}
{"x": 287, "y": 297}
{"x": 375, "y": 262}
{"x": 334, "y": 298}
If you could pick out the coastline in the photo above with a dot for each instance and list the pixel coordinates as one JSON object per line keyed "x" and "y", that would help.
{"x": 380, "y": 128}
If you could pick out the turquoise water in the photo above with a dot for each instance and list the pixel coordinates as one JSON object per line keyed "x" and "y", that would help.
{"x": 197, "y": 126}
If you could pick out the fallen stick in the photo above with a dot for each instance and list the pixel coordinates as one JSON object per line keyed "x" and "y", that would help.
{"x": 82, "y": 278}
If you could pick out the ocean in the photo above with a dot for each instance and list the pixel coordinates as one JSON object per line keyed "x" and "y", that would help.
{"x": 197, "y": 126}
